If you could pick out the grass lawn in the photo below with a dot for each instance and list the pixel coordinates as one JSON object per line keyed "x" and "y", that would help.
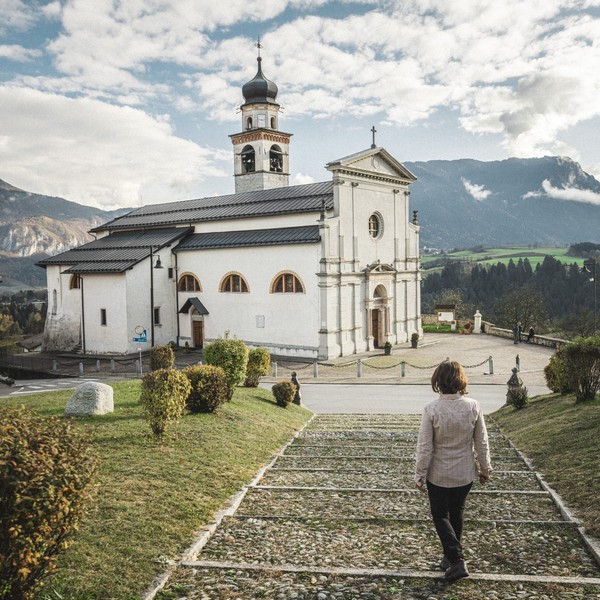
{"x": 562, "y": 438}
{"x": 151, "y": 498}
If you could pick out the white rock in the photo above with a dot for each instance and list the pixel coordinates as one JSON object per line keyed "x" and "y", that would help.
{"x": 90, "y": 398}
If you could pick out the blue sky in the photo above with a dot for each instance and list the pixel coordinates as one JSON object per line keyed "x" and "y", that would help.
{"x": 122, "y": 102}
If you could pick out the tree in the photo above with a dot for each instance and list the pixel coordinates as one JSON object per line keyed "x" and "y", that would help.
{"x": 524, "y": 305}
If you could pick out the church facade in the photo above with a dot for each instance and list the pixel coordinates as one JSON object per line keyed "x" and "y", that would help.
{"x": 312, "y": 271}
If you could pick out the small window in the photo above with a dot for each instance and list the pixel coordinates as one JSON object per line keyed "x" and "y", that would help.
{"x": 157, "y": 315}
{"x": 75, "y": 282}
{"x": 54, "y": 302}
{"x": 249, "y": 123}
{"x": 189, "y": 283}
{"x": 234, "y": 283}
{"x": 102, "y": 316}
{"x": 170, "y": 272}
{"x": 287, "y": 283}
{"x": 248, "y": 160}
{"x": 375, "y": 228}
{"x": 273, "y": 123}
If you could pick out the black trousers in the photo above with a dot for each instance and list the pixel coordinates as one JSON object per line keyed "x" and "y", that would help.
{"x": 447, "y": 507}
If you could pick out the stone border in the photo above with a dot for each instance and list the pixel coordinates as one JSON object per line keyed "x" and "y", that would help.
{"x": 206, "y": 532}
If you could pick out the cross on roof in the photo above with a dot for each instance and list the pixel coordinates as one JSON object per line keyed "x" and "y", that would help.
{"x": 258, "y": 45}
{"x": 373, "y": 131}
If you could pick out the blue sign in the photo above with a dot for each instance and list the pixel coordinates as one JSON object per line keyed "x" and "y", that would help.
{"x": 140, "y": 339}
{"x": 142, "y": 334}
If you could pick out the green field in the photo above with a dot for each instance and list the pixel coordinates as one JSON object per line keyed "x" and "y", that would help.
{"x": 491, "y": 256}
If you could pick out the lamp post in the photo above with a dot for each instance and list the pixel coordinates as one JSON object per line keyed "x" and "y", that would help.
{"x": 153, "y": 266}
{"x": 590, "y": 267}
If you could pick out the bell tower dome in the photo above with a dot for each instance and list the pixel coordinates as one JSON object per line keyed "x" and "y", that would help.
{"x": 260, "y": 151}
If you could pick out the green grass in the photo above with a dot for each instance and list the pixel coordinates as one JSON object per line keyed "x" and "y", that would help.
{"x": 562, "y": 438}
{"x": 151, "y": 497}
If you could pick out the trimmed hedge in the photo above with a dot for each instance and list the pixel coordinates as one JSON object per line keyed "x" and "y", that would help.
{"x": 259, "y": 364}
{"x": 161, "y": 357}
{"x": 284, "y": 393}
{"x": 208, "y": 388}
{"x": 232, "y": 357}
{"x": 163, "y": 395}
{"x": 46, "y": 468}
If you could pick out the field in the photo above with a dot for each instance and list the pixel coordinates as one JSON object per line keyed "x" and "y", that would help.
{"x": 491, "y": 256}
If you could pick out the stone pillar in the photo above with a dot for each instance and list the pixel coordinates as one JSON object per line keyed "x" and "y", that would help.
{"x": 477, "y": 322}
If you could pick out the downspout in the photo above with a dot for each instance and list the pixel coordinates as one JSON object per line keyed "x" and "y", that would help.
{"x": 176, "y": 296}
{"x": 82, "y": 317}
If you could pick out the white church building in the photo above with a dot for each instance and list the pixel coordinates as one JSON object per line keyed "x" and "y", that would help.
{"x": 314, "y": 271}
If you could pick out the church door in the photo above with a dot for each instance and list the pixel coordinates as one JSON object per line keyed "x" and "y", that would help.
{"x": 198, "y": 334}
{"x": 375, "y": 327}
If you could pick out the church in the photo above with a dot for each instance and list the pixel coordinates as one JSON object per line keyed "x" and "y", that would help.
{"x": 312, "y": 271}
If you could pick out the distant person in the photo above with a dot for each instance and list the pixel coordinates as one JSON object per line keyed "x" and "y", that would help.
{"x": 530, "y": 335}
{"x": 452, "y": 451}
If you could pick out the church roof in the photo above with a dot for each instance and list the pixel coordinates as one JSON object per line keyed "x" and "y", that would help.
{"x": 262, "y": 237}
{"x": 116, "y": 252}
{"x": 259, "y": 203}
{"x": 259, "y": 90}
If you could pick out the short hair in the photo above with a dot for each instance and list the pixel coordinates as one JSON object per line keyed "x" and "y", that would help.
{"x": 449, "y": 378}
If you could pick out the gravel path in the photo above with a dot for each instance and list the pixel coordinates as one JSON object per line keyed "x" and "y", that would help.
{"x": 336, "y": 516}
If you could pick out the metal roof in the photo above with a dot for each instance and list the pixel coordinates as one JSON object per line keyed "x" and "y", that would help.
{"x": 284, "y": 200}
{"x": 264, "y": 237}
{"x": 195, "y": 302}
{"x": 116, "y": 252}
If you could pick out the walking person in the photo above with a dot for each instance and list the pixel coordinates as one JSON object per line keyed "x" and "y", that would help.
{"x": 452, "y": 451}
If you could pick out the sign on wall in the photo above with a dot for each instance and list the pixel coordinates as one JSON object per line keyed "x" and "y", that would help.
{"x": 141, "y": 334}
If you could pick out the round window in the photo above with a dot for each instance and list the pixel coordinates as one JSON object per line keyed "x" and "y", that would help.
{"x": 375, "y": 226}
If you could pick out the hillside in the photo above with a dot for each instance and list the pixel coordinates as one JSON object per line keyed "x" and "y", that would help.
{"x": 463, "y": 203}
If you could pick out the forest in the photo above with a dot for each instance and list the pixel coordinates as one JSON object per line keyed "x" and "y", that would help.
{"x": 555, "y": 298}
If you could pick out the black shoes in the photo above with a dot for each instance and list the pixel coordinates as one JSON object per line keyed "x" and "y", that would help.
{"x": 457, "y": 570}
{"x": 445, "y": 564}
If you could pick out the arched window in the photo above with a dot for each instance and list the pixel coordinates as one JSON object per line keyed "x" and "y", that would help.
{"x": 276, "y": 159}
{"x": 189, "y": 283}
{"x": 375, "y": 226}
{"x": 248, "y": 160}
{"x": 273, "y": 123}
{"x": 235, "y": 283}
{"x": 287, "y": 283}
{"x": 249, "y": 123}
{"x": 54, "y": 302}
{"x": 75, "y": 282}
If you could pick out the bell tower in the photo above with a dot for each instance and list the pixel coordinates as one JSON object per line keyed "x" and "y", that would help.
{"x": 260, "y": 151}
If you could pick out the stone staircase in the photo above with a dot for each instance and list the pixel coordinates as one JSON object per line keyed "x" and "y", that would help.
{"x": 336, "y": 516}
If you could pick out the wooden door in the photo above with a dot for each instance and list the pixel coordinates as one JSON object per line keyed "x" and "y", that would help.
{"x": 375, "y": 327}
{"x": 198, "y": 334}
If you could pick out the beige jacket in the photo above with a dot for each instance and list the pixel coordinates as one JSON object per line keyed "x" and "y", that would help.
{"x": 452, "y": 448}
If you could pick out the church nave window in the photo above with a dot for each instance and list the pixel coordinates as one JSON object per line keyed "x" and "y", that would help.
{"x": 375, "y": 226}
{"x": 75, "y": 282}
{"x": 234, "y": 283}
{"x": 287, "y": 283}
{"x": 248, "y": 160}
{"x": 189, "y": 283}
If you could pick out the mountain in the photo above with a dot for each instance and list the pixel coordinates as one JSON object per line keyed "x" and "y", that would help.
{"x": 33, "y": 226}
{"x": 464, "y": 203}
{"x": 461, "y": 203}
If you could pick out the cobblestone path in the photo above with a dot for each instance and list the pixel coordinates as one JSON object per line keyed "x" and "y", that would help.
{"x": 336, "y": 516}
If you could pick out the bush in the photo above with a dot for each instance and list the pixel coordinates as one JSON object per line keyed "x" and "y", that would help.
{"x": 557, "y": 374}
{"x": 232, "y": 357}
{"x": 46, "y": 468}
{"x": 161, "y": 357}
{"x": 518, "y": 397}
{"x": 259, "y": 364}
{"x": 208, "y": 388}
{"x": 284, "y": 393}
{"x": 163, "y": 398}
{"x": 582, "y": 358}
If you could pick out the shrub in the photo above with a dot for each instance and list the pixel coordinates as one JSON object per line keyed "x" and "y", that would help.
{"x": 259, "y": 364}
{"x": 518, "y": 397}
{"x": 232, "y": 357}
{"x": 162, "y": 397}
{"x": 46, "y": 468}
{"x": 582, "y": 358}
{"x": 557, "y": 374}
{"x": 284, "y": 393}
{"x": 161, "y": 357}
{"x": 208, "y": 388}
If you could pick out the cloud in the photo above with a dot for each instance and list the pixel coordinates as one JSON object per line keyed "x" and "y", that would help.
{"x": 18, "y": 53}
{"x": 302, "y": 178}
{"x": 477, "y": 191}
{"x": 567, "y": 193}
{"x": 94, "y": 153}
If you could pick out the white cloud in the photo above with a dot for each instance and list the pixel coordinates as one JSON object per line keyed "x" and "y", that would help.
{"x": 302, "y": 178}
{"x": 18, "y": 53}
{"x": 477, "y": 191}
{"x": 95, "y": 153}
{"x": 567, "y": 193}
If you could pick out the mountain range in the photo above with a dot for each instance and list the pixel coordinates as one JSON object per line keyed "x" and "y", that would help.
{"x": 460, "y": 203}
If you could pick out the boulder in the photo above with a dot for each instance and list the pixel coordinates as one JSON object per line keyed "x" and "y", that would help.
{"x": 90, "y": 398}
